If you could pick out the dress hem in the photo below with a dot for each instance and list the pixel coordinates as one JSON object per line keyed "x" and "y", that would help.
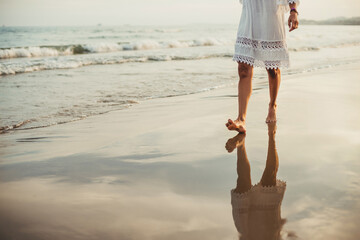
{"x": 259, "y": 63}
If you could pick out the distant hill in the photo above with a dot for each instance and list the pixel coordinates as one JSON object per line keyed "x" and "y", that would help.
{"x": 333, "y": 21}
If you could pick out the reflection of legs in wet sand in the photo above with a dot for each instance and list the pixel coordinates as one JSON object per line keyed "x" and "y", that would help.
{"x": 272, "y": 161}
{"x": 243, "y": 165}
{"x": 256, "y": 208}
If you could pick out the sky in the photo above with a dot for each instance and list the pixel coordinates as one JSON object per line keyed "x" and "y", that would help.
{"x": 150, "y": 12}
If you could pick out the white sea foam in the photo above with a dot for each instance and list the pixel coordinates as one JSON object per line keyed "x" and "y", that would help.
{"x": 103, "y": 47}
{"x": 211, "y": 42}
{"x": 32, "y": 52}
{"x": 7, "y": 68}
{"x": 177, "y": 44}
{"x": 146, "y": 44}
{"x": 295, "y": 44}
{"x": 52, "y": 64}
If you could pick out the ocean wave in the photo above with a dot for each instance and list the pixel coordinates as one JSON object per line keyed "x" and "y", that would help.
{"x": 20, "y": 126}
{"x": 70, "y": 63}
{"x": 51, "y": 51}
{"x": 32, "y": 52}
{"x": 69, "y": 115}
{"x": 105, "y": 47}
{"x": 7, "y": 128}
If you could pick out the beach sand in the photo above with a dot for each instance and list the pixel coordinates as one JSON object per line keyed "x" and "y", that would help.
{"x": 160, "y": 170}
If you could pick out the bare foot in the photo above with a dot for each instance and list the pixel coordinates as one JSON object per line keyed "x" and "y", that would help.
{"x": 271, "y": 117}
{"x": 236, "y": 125}
{"x": 235, "y": 142}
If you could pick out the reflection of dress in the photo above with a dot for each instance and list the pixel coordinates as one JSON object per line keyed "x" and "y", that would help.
{"x": 261, "y": 34}
{"x": 256, "y": 212}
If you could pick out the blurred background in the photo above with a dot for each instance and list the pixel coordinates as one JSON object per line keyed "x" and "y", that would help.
{"x": 154, "y": 12}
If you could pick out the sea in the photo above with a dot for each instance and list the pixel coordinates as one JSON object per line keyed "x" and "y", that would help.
{"x": 56, "y": 75}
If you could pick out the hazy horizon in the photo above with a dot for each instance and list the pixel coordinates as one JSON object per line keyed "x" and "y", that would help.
{"x": 155, "y": 25}
{"x": 155, "y": 12}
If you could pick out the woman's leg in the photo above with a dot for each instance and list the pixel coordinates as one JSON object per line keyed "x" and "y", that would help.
{"x": 274, "y": 84}
{"x": 272, "y": 161}
{"x": 245, "y": 72}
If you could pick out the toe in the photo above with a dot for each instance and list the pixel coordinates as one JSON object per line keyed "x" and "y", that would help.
{"x": 231, "y": 127}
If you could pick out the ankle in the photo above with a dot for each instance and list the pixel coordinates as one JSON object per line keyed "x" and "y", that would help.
{"x": 241, "y": 119}
{"x": 272, "y": 105}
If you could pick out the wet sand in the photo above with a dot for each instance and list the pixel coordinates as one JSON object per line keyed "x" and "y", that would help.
{"x": 160, "y": 170}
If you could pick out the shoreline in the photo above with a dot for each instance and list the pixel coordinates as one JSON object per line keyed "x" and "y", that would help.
{"x": 104, "y": 123}
{"x": 259, "y": 82}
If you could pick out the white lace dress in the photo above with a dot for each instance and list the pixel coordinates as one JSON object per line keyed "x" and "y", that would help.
{"x": 257, "y": 212}
{"x": 261, "y": 38}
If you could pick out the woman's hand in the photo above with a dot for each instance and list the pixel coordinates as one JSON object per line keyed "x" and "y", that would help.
{"x": 293, "y": 21}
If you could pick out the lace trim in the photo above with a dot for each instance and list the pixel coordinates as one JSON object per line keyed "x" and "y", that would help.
{"x": 259, "y": 197}
{"x": 258, "y": 63}
{"x": 279, "y": 186}
{"x": 261, "y": 45}
{"x": 241, "y": 195}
